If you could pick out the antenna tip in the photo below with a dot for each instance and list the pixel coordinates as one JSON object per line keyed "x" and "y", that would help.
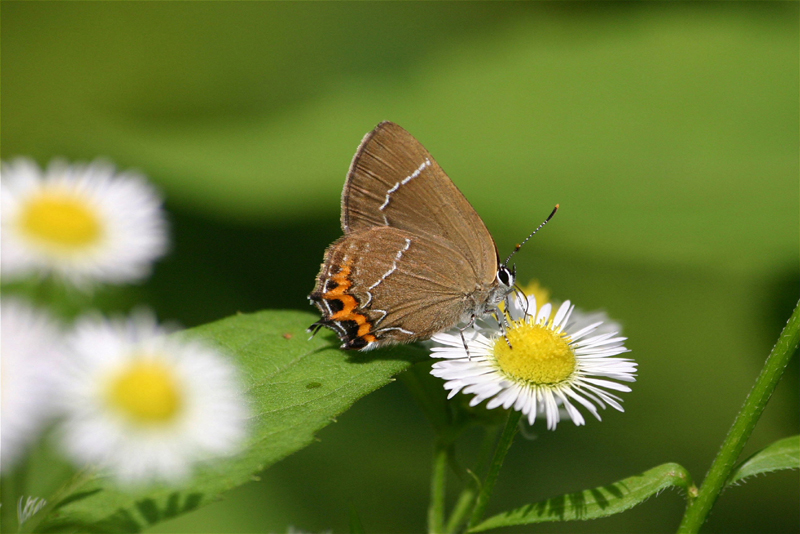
{"x": 558, "y": 206}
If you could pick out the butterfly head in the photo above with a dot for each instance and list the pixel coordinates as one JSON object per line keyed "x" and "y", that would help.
{"x": 504, "y": 284}
{"x": 506, "y": 277}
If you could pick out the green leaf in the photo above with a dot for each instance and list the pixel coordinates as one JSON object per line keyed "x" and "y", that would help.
{"x": 595, "y": 503}
{"x": 296, "y": 387}
{"x": 783, "y": 454}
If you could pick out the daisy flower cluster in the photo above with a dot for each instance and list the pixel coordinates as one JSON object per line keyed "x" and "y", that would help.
{"x": 125, "y": 396}
{"x": 550, "y": 361}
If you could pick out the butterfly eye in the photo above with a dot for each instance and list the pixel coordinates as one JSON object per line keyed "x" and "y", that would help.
{"x": 504, "y": 276}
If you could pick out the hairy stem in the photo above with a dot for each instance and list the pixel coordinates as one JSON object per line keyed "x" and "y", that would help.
{"x": 746, "y": 419}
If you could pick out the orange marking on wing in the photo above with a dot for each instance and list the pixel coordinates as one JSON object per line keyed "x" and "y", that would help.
{"x": 350, "y": 304}
{"x": 340, "y": 290}
{"x": 364, "y": 329}
{"x": 343, "y": 283}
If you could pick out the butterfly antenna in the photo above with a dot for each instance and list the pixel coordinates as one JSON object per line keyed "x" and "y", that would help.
{"x": 519, "y": 246}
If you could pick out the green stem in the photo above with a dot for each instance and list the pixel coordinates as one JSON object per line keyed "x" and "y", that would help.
{"x": 438, "y": 483}
{"x": 746, "y": 420}
{"x": 467, "y": 498}
{"x": 463, "y": 506}
{"x": 506, "y": 439}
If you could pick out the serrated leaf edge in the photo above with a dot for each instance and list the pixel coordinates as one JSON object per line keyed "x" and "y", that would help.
{"x": 740, "y": 475}
{"x": 661, "y": 477}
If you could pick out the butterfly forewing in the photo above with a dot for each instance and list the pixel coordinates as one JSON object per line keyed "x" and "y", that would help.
{"x": 394, "y": 181}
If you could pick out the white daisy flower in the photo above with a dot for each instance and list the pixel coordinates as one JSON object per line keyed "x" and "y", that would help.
{"x": 552, "y": 364}
{"x": 81, "y": 223}
{"x": 145, "y": 405}
{"x": 31, "y": 344}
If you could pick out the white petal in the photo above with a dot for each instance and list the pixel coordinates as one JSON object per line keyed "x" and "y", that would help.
{"x": 561, "y": 314}
{"x": 531, "y": 408}
{"x": 573, "y": 413}
{"x": 582, "y": 332}
{"x": 607, "y": 384}
{"x": 544, "y": 313}
{"x": 551, "y": 410}
{"x": 586, "y": 404}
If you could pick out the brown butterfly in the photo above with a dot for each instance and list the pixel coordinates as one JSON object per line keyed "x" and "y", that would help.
{"x": 415, "y": 258}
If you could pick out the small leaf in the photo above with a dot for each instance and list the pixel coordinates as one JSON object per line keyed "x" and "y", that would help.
{"x": 295, "y": 387}
{"x": 783, "y": 454}
{"x": 595, "y": 503}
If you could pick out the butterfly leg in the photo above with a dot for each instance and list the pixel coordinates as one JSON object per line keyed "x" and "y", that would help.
{"x": 470, "y": 324}
{"x": 501, "y": 319}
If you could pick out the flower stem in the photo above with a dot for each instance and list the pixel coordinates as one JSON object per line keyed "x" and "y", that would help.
{"x": 743, "y": 425}
{"x": 461, "y": 509}
{"x": 438, "y": 484}
{"x": 485, "y": 494}
{"x": 467, "y": 498}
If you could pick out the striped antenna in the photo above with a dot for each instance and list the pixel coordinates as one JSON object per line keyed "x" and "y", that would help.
{"x": 519, "y": 246}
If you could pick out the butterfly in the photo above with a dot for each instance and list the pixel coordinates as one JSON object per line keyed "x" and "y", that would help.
{"x": 415, "y": 258}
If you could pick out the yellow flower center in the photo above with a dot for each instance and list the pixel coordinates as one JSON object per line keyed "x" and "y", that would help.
{"x": 63, "y": 220}
{"x": 147, "y": 393}
{"x": 539, "y": 355}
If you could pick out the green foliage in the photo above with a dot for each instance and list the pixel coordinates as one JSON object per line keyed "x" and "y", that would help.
{"x": 296, "y": 387}
{"x": 783, "y": 454}
{"x": 594, "y": 503}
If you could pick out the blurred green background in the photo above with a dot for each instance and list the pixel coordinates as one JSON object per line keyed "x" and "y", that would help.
{"x": 668, "y": 132}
